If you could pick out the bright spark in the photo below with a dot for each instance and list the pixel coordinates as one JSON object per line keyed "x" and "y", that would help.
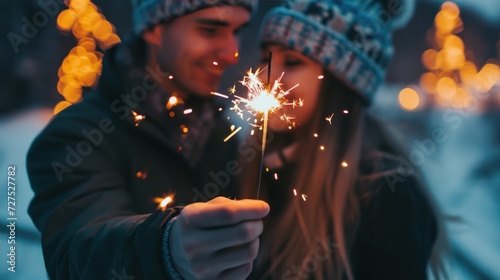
{"x": 173, "y": 101}
{"x": 345, "y": 112}
{"x": 263, "y": 102}
{"x": 138, "y": 118}
{"x": 344, "y": 164}
{"x": 304, "y": 197}
{"x": 275, "y": 176}
{"x": 219, "y": 94}
{"x": 188, "y": 111}
{"x": 163, "y": 202}
{"x": 329, "y": 118}
{"x": 166, "y": 201}
{"x": 232, "y": 134}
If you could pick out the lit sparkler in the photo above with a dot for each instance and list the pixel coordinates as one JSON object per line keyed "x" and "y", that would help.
{"x": 261, "y": 100}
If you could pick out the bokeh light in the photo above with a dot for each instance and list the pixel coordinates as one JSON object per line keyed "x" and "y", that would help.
{"x": 81, "y": 68}
{"x": 409, "y": 99}
{"x": 451, "y": 79}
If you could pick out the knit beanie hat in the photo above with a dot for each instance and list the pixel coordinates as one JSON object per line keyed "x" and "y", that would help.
{"x": 349, "y": 38}
{"x": 148, "y": 13}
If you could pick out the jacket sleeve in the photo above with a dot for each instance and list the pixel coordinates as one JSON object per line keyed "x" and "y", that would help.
{"x": 397, "y": 233}
{"x": 84, "y": 211}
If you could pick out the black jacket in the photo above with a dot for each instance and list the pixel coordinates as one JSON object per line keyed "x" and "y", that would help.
{"x": 96, "y": 175}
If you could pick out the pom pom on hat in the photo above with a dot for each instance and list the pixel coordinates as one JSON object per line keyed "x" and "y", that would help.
{"x": 349, "y": 38}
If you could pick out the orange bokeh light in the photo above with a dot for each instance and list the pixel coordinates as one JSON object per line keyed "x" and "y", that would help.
{"x": 82, "y": 67}
{"x": 409, "y": 99}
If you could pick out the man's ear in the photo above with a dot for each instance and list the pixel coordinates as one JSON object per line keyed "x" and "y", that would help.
{"x": 153, "y": 36}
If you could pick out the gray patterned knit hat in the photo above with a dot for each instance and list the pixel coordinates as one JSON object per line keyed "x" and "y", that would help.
{"x": 148, "y": 13}
{"x": 349, "y": 38}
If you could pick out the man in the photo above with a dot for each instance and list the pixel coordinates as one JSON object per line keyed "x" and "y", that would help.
{"x": 101, "y": 167}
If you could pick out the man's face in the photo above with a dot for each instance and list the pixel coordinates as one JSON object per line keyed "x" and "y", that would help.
{"x": 196, "y": 48}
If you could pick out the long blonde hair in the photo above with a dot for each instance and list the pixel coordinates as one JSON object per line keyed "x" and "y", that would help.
{"x": 332, "y": 204}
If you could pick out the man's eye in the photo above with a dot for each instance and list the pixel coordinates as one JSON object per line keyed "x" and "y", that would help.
{"x": 208, "y": 30}
{"x": 292, "y": 62}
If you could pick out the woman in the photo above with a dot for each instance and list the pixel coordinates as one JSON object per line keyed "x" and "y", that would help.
{"x": 343, "y": 202}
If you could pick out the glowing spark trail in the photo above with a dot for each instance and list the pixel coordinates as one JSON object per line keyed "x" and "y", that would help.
{"x": 219, "y": 95}
{"x": 137, "y": 117}
{"x": 261, "y": 100}
{"x": 329, "y": 119}
{"x": 163, "y": 202}
{"x": 166, "y": 201}
{"x": 232, "y": 134}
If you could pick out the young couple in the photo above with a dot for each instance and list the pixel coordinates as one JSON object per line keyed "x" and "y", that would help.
{"x": 97, "y": 212}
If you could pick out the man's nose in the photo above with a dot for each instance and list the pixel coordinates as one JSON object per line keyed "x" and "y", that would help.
{"x": 227, "y": 53}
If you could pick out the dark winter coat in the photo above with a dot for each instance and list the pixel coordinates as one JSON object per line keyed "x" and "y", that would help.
{"x": 98, "y": 176}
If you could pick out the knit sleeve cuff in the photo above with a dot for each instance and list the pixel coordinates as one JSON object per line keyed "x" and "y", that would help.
{"x": 167, "y": 258}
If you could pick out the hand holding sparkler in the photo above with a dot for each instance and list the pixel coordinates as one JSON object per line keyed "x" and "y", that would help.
{"x": 218, "y": 239}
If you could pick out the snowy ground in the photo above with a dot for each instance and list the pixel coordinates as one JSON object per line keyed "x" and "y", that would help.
{"x": 461, "y": 164}
{"x": 17, "y": 132}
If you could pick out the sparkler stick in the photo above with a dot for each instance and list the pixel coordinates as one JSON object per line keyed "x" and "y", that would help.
{"x": 266, "y": 118}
